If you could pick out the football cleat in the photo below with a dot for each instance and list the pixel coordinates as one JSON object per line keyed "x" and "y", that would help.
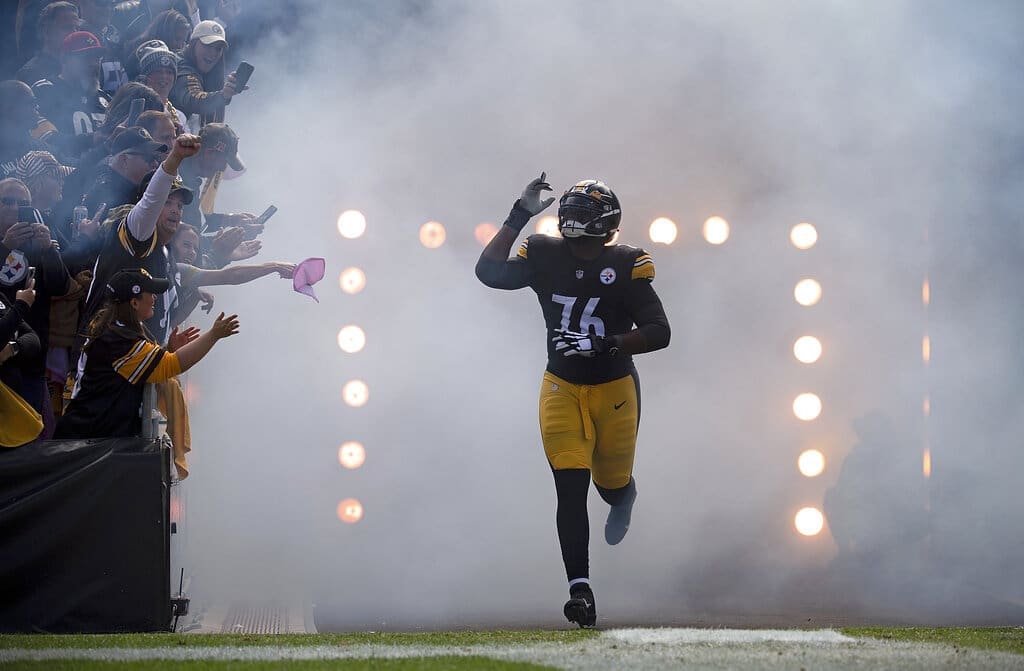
{"x": 617, "y": 525}
{"x": 580, "y": 607}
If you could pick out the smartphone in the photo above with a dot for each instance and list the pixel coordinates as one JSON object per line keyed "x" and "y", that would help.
{"x": 29, "y": 214}
{"x": 242, "y": 74}
{"x": 31, "y": 275}
{"x": 138, "y": 106}
{"x": 267, "y": 214}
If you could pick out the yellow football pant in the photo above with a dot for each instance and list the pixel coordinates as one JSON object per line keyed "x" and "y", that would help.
{"x": 590, "y": 426}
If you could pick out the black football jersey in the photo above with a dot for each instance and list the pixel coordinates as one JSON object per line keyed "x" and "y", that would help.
{"x": 598, "y": 296}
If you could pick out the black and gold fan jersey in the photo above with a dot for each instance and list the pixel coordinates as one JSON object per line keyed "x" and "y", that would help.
{"x": 108, "y": 394}
{"x": 122, "y": 251}
{"x": 605, "y": 296}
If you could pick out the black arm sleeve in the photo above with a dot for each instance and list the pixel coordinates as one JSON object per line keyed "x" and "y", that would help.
{"x": 513, "y": 273}
{"x": 649, "y": 315}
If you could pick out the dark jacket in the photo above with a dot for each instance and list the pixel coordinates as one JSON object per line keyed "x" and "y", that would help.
{"x": 196, "y": 93}
{"x": 74, "y": 113}
{"x": 13, "y": 327}
{"x": 42, "y": 66}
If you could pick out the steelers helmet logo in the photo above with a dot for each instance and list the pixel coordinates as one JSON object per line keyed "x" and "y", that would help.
{"x": 136, "y": 289}
{"x": 607, "y": 276}
{"x": 14, "y": 269}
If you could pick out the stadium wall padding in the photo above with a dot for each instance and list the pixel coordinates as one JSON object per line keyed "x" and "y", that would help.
{"x": 84, "y": 536}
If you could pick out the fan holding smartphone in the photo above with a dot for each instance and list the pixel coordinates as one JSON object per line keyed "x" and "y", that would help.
{"x": 237, "y": 80}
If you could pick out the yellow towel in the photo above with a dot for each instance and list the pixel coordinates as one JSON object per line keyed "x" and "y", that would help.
{"x": 19, "y": 422}
{"x": 171, "y": 402}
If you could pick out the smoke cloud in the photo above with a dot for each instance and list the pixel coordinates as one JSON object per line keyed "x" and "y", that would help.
{"x": 892, "y": 127}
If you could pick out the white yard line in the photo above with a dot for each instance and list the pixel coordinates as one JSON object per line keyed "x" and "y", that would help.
{"x": 641, "y": 649}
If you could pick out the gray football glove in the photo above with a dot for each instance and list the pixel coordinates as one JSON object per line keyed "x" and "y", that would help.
{"x": 531, "y": 200}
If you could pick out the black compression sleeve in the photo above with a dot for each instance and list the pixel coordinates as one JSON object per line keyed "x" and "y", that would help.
{"x": 649, "y": 315}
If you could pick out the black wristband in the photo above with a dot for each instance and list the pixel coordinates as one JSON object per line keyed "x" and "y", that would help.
{"x": 518, "y": 217}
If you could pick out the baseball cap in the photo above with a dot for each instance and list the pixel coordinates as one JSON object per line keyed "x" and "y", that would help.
{"x": 81, "y": 42}
{"x": 155, "y": 54}
{"x": 220, "y": 137}
{"x": 137, "y": 138}
{"x": 176, "y": 186}
{"x": 209, "y": 32}
{"x": 128, "y": 284}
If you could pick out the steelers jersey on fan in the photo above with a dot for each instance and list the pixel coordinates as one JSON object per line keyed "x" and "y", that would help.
{"x": 106, "y": 399}
{"x": 595, "y": 296}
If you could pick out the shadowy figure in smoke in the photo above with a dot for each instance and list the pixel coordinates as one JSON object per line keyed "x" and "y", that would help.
{"x": 877, "y": 510}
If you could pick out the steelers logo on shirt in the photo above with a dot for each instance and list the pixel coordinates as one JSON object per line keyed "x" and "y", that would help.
{"x": 607, "y": 276}
{"x": 14, "y": 269}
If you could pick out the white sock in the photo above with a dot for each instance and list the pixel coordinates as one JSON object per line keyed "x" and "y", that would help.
{"x": 577, "y": 581}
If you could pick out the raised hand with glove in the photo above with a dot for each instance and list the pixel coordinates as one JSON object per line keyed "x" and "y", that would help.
{"x": 531, "y": 199}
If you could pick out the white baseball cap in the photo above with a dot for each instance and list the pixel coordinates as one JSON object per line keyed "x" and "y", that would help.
{"x": 209, "y": 32}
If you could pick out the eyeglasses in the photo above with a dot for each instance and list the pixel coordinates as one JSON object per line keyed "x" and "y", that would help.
{"x": 10, "y": 201}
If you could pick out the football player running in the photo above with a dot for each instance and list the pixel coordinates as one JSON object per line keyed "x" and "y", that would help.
{"x": 600, "y": 309}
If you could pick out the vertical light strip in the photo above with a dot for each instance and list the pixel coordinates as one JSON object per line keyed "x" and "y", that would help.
{"x": 926, "y": 356}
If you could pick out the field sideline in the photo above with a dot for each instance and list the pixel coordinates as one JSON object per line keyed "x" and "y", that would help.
{"x": 668, "y": 648}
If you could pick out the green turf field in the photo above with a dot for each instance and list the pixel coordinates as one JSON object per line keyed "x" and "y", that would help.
{"x": 851, "y": 648}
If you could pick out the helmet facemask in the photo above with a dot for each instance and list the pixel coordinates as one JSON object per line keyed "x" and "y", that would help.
{"x": 589, "y": 209}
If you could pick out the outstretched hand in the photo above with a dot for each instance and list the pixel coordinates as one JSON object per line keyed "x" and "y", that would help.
{"x": 226, "y": 241}
{"x": 179, "y": 339}
{"x": 531, "y": 198}
{"x": 224, "y": 327}
{"x": 245, "y": 250}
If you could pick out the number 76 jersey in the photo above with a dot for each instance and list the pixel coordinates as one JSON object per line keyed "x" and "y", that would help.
{"x": 605, "y": 296}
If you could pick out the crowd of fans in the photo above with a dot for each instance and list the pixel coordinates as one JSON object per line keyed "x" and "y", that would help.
{"x": 113, "y": 145}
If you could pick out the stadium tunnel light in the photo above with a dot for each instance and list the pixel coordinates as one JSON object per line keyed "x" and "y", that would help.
{"x": 548, "y": 226}
{"x": 807, "y": 349}
{"x": 352, "y": 280}
{"x": 715, "y": 230}
{"x": 355, "y": 393}
{"x": 432, "y": 235}
{"x": 809, "y": 521}
{"x": 352, "y": 455}
{"x": 485, "y": 232}
{"x": 663, "y": 231}
{"x": 811, "y": 463}
{"x": 351, "y": 224}
{"x": 350, "y": 511}
{"x": 807, "y": 292}
{"x": 807, "y": 407}
{"x": 351, "y": 339}
{"x": 803, "y": 235}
